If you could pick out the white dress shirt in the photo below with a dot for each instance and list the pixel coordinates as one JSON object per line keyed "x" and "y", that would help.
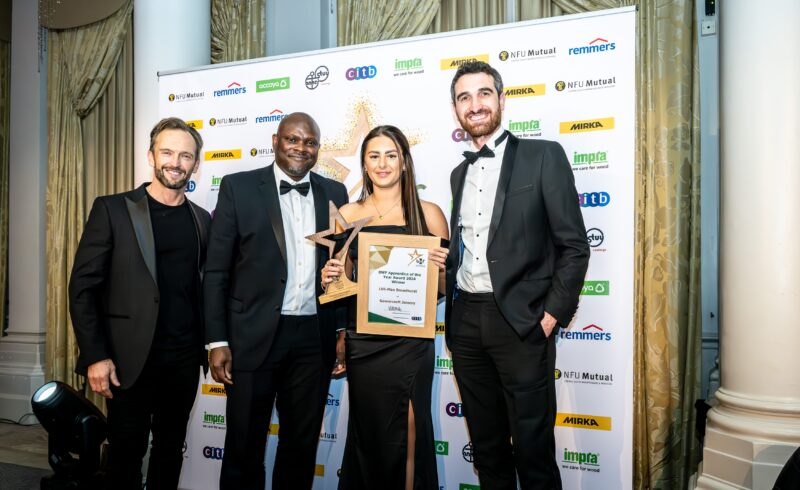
{"x": 299, "y": 221}
{"x": 475, "y": 215}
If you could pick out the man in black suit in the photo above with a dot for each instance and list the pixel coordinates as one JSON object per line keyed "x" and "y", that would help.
{"x": 518, "y": 256}
{"x": 271, "y": 340}
{"x": 135, "y": 298}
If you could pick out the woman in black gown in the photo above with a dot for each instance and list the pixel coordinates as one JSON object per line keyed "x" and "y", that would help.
{"x": 390, "y": 430}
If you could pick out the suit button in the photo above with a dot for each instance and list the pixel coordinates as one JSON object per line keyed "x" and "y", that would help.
{"x": 283, "y": 280}
{"x": 278, "y": 308}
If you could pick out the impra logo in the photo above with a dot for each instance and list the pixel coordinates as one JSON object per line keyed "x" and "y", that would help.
{"x": 454, "y": 63}
{"x": 223, "y": 154}
{"x": 585, "y": 125}
{"x": 581, "y": 421}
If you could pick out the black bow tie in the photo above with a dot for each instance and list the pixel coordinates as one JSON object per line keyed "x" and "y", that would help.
{"x": 302, "y": 187}
{"x": 472, "y": 156}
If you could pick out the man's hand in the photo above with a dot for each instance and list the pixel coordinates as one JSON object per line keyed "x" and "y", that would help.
{"x": 339, "y": 368}
{"x": 548, "y": 324}
{"x": 221, "y": 359}
{"x": 100, "y": 373}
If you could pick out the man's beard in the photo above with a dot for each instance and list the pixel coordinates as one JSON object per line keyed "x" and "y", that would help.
{"x": 178, "y": 184}
{"x": 481, "y": 129}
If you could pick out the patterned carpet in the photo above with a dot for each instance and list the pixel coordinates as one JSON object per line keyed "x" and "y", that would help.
{"x": 15, "y": 477}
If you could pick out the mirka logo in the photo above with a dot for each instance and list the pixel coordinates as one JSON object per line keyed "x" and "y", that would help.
{"x": 214, "y": 389}
{"x": 577, "y": 460}
{"x": 586, "y": 84}
{"x": 223, "y": 155}
{"x": 526, "y": 129}
{"x": 585, "y": 125}
{"x": 319, "y": 470}
{"x": 524, "y": 90}
{"x": 598, "y": 45}
{"x": 195, "y": 123}
{"x": 234, "y": 88}
{"x": 186, "y": 96}
{"x": 454, "y": 63}
{"x": 581, "y": 421}
{"x": 439, "y": 328}
{"x": 273, "y": 429}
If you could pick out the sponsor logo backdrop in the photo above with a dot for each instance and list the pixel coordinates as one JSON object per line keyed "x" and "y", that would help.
{"x": 569, "y": 79}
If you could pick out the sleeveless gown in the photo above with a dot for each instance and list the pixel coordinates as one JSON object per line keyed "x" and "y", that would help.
{"x": 384, "y": 373}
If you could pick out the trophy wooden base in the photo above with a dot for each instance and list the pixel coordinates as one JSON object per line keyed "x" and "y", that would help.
{"x": 342, "y": 288}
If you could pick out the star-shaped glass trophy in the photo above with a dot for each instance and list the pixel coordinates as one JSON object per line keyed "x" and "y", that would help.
{"x": 341, "y": 287}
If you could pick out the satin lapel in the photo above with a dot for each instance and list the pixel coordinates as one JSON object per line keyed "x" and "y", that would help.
{"x": 143, "y": 229}
{"x": 200, "y": 229}
{"x": 460, "y": 174}
{"x": 502, "y": 186}
{"x": 273, "y": 206}
{"x": 320, "y": 212}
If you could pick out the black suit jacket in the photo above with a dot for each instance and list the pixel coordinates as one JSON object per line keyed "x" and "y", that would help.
{"x": 113, "y": 289}
{"x": 538, "y": 252}
{"x": 246, "y": 267}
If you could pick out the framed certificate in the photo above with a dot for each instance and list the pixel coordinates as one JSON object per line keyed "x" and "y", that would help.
{"x": 397, "y": 285}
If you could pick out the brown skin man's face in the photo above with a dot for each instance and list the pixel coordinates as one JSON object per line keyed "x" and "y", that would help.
{"x": 296, "y": 146}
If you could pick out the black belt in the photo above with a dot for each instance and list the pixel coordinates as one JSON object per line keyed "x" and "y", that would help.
{"x": 474, "y": 297}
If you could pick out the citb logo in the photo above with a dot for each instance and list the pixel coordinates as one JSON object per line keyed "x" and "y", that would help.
{"x": 460, "y": 135}
{"x": 361, "y": 72}
{"x": 594, "y": 199}
{"x": 454, "y": 409}
{"x": 210, "y": 452}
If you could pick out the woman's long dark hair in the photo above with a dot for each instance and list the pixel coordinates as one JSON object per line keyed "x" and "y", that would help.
{"x": 412, "y": 209}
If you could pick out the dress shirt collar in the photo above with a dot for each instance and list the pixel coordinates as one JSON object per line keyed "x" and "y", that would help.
{"x": 281, "y": 175}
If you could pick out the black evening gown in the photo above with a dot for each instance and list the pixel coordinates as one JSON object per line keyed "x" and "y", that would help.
{"x": 384, "y": 373}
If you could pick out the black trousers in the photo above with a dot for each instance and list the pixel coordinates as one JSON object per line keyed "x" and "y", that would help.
{"x": 296, "y": 378}
{"x": 507, "y": 388}
{"x": 160, "y": 401}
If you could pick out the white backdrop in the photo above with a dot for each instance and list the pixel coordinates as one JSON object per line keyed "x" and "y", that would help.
{"x": 570, "y": 79}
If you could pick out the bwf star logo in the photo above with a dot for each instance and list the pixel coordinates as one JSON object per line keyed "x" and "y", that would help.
{"x": 415, "y": 257}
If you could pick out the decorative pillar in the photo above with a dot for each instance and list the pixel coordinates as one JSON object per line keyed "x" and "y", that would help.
{"x": 756, "y": 425}
{"x": 166, "y": 36}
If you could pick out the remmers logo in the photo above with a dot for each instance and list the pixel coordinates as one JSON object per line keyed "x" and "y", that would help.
{"x": 273, "y": 84}
{"x": 332, "y": 401}
{"x": 316, "y": 77}
{"x": 590, "y": 332}
{"x": 233, "y": 89}
{"x": 601, "y": 124}
{"x": 599, "y": 45}
{"x": 594, "y": 199}
{"x": 275, "y": 116}
{"x": 361, "y": 72}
